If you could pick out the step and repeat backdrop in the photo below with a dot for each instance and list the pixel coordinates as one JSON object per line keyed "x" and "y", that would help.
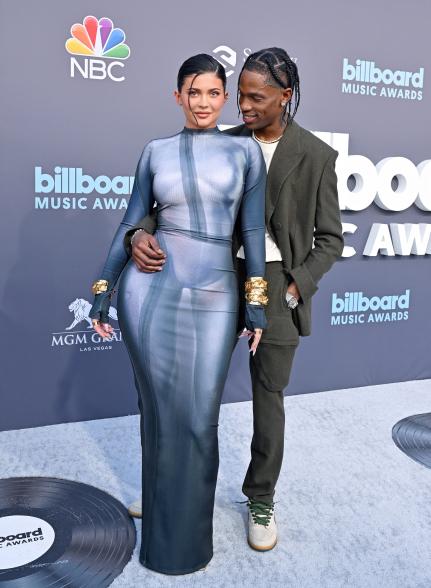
{"x": 85, "y": 87}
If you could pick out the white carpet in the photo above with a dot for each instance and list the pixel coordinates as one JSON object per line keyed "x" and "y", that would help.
{"x": 352, "y": 510}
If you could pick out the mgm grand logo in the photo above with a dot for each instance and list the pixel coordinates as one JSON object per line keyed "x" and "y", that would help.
{"x": 20, "y": 538}
{"x": 87, "y": 338}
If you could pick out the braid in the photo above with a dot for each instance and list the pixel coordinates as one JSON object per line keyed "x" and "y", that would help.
{"x": 280, "y": 72}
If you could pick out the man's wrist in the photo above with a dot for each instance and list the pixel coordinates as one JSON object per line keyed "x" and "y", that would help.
{"x": 292, "y": 302}
{"x": 134, "y": 235}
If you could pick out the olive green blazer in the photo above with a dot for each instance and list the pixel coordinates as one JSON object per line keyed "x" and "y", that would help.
{"x": 301, "y": 210}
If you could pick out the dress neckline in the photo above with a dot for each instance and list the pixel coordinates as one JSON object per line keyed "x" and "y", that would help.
{"x": 210, "y": 131}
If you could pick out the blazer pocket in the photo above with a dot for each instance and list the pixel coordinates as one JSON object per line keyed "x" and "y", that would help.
{"x": 293, "y": 313}
{"x": 280, "y": 330}
{"x": 295, "y": 318}
{"x": 283, "y": 295}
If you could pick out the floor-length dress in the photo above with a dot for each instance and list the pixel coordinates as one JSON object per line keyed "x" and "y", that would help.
{"x": 179, "y": 326}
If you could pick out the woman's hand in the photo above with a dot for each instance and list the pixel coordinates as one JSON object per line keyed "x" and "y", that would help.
{"x": 254, "y": 337}
{"x": 104, "y": 329}
{"x": 255, "y": 322}
{"x": 99, "y": 314}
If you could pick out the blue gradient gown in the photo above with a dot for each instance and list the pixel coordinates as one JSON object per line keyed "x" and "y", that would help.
{"x": 179, "y": 326}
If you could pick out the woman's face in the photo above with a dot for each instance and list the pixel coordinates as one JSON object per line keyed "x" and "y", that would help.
{"x": 201, "y": 97}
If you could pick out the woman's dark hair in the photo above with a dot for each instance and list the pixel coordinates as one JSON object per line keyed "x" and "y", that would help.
{"x": 200, "y": 64}
{"x": 280, "y": 71}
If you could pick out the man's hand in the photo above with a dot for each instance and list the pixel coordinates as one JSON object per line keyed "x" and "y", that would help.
{"x": 293, "y": 289}
{"x": 146, "y": 253}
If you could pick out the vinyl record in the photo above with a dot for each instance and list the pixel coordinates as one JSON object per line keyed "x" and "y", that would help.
{"x": 56, "y": 532}
{"x": 413, "y": 436}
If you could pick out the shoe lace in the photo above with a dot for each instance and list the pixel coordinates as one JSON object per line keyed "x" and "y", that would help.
{"x": 261, "y": 511}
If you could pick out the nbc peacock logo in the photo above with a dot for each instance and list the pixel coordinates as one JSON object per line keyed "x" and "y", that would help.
{"x": 97, "y": 47}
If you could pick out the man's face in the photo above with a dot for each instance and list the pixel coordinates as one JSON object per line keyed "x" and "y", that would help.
{"x": 259, "y": 102}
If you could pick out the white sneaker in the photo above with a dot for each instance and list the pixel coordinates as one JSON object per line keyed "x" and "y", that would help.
{"x": 135, "y": 509}
{"x": 262, "y": 529}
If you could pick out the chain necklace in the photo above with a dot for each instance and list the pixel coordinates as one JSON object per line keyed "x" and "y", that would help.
{"x": 266, "y": 142}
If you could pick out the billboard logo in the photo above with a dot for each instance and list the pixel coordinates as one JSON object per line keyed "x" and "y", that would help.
{"x": 101, "y": 46}
{"x": 23, "y": 539}
{"x": 365, "y": 78}
{"x": 68, "y": 181}
{"x": 356, "y": 308}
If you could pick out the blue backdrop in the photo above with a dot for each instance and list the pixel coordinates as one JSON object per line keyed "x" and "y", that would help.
{"x": 86, "y": 87}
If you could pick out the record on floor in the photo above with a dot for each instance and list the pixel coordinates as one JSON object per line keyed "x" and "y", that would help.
{"x": 56, "y": 532}
{"x": 413, "y": 436}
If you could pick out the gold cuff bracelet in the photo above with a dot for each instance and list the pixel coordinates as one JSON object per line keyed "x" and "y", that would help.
{"x": 256, "y": 291}
{"x": 99, "y": 286}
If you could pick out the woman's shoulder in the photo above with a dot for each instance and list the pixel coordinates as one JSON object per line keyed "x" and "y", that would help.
{"x": 155, "y": 145}
{"x": 163, "y": 141}
{"x": 251, "y": 147}
{"x": 240, "y": 142}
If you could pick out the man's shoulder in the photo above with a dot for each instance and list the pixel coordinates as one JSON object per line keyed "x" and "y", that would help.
{"x": 315, "y": 146}
{"x": 238, "y": 131}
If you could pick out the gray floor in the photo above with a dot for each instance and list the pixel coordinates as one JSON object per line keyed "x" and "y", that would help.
{"x": 352, "y": 509}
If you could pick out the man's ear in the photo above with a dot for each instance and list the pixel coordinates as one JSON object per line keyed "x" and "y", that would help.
{"x": 287, "y": 95}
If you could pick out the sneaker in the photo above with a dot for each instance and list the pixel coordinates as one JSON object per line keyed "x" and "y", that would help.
{"x": 262, "y": 530}
{"x": 135, "y": 509}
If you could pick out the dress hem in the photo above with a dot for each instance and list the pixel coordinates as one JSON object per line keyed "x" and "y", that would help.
{"x": 177, "y": 572}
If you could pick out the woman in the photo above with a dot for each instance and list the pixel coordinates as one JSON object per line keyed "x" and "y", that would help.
{"x": 179, "y": 324}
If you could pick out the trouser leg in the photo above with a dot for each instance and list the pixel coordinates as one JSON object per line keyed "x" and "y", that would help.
{"x": 270, "y": 370}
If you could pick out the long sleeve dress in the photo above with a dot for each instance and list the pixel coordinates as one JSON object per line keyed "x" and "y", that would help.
{"x": 179, "y": 325}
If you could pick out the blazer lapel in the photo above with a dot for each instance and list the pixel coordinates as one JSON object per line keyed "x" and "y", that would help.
{"x": 285, "y": 159}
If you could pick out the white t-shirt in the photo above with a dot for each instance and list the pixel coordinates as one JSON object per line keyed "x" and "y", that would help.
{"x": 272, "y": 252}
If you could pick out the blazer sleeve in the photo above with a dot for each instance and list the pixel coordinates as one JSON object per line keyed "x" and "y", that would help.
{"x": 147, "y": 223}
{"x": 328, "y": 235}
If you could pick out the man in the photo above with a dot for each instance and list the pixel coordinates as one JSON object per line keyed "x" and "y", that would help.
{"x": 303, "y": 240}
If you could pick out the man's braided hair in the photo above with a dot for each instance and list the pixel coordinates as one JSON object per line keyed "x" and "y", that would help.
{"x": 280, "y": 71}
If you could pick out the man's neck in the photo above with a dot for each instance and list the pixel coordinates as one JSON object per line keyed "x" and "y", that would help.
{"x": 272, "y": 132}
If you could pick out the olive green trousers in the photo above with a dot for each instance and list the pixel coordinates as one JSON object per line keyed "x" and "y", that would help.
{"x": 270, "y": 370}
